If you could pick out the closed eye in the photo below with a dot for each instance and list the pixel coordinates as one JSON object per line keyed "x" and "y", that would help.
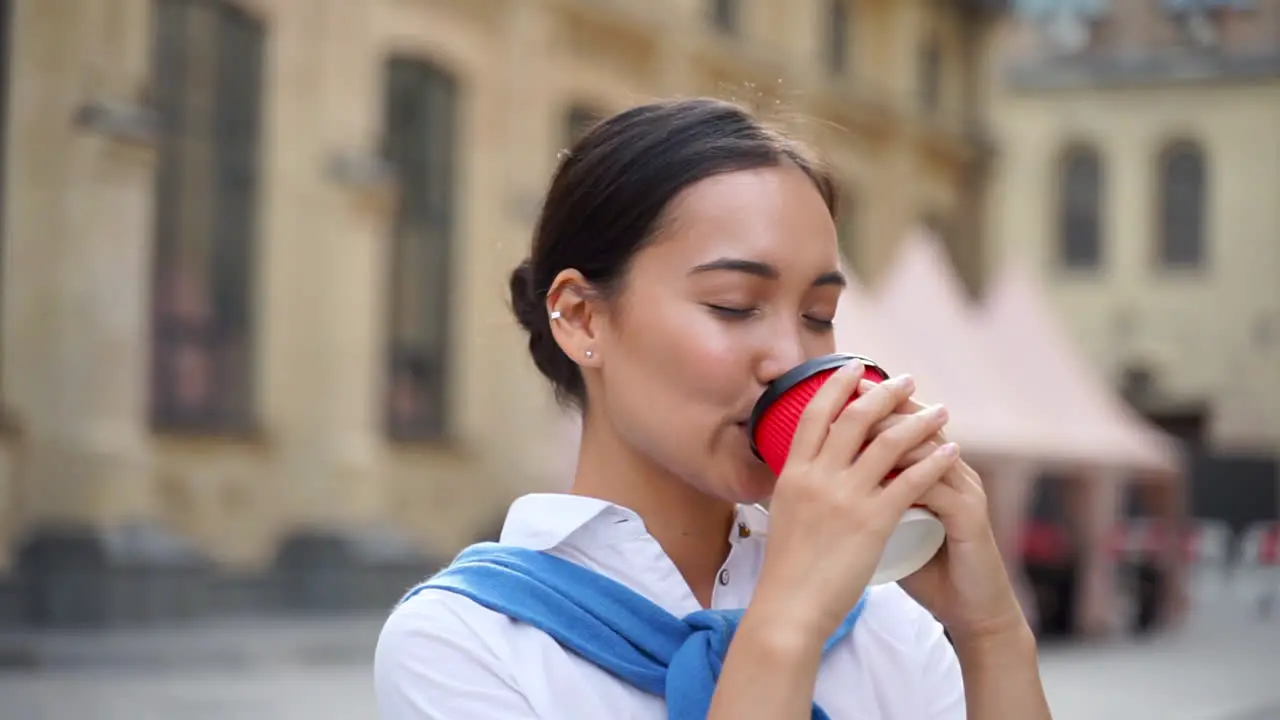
{"x": 731, "y": 312}
{"x": 820, "y": 324}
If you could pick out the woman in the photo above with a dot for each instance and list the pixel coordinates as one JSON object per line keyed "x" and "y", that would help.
{"x": 686, "y": 256}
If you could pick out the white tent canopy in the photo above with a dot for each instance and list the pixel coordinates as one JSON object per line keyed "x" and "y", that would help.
{"x": 1045, "y": 368}
{"x": 922, "y": 306}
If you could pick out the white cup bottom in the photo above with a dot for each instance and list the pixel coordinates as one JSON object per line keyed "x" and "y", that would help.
{"x": 914, "y": 542}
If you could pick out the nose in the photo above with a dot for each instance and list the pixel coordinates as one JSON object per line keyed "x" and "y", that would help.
{"x": 784, "y": 351}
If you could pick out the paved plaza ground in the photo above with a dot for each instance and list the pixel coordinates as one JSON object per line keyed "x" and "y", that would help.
{"x": 1222, "y": 667}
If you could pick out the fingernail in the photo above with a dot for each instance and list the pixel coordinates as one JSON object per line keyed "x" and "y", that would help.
{"x": 938, "y": 412}
{"x": 906, "y": 382}
{"x": 949, "y": 450}
{"x": 853, "y": 368}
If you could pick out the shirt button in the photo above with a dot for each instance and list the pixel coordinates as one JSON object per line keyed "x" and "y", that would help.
{"x": 743, "y": 530}
{"x": 724, "y": 576}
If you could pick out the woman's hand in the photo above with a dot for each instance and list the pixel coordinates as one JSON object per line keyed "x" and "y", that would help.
{"x": 831, "y": 514}
{"x": 965, "y": 585}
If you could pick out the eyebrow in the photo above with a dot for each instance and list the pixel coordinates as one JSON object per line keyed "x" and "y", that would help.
{"x": 764, "y": 270}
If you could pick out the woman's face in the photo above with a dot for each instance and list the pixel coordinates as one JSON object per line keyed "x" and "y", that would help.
{"x": 740, "y": 285}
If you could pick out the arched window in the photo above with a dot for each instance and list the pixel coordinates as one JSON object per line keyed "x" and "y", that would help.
{"x": 1080, "y": 187}
{"x": 420, "y": 138}
{"x": 208, "y": 71}
{"x": 724, "y": 15}
{"x": 1181, "y": 227}
{"x": 930, "y": 75}
{"x": 839, "y": 33}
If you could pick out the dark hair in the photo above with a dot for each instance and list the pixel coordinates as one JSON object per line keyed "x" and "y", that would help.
{"x": 608, "y": 195}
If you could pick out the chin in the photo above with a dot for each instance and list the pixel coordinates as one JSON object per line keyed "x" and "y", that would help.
{"x": 753, "y": 485}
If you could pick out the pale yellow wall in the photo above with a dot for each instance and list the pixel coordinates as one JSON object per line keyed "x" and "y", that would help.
{"x": 1196, "y": 327}
{"x": 79, "y": 246}
{"x": 8, "y": 503}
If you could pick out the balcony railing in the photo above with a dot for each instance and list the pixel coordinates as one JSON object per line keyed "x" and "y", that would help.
{"x": 1157, "y": 68}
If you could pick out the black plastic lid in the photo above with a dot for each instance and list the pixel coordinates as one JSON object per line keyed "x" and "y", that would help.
{"x": 797, "y": 375}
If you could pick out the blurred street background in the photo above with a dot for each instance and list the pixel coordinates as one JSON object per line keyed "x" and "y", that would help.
{"x": 1220, "y": 668}
{"x": 258, "y": 374}
{"x": 1223, "y": 669}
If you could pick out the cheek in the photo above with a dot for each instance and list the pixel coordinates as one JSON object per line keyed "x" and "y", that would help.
{"x": 693, "y": 359}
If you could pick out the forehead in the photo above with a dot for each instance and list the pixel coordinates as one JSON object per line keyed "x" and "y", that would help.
{"x": 774, "y": 215}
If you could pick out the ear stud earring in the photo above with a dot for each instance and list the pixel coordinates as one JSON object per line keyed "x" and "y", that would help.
{"x": 555, "y": 315}
{"x": 590, "y": 354}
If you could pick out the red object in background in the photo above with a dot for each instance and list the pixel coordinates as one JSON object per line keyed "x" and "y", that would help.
{"x": 1261, "y": 544}
{"x": 776, "y": 414}
{"x": 1045, "y": 543}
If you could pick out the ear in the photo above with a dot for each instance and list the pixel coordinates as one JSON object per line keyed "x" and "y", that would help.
{"x": 575, "y": 316}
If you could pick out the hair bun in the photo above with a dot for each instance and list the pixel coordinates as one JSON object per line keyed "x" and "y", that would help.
{"x": 524, "y": 297}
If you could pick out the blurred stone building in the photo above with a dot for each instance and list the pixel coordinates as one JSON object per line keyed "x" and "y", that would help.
{"x": 1137, "y": 173}
{"x": 255, "y": 256}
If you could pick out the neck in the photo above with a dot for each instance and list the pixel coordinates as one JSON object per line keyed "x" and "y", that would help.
{"x": 691, "y": 526}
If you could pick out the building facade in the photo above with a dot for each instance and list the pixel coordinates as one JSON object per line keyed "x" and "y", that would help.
{"x": 1139, "y": 157}
{"x": 256, "y": 251}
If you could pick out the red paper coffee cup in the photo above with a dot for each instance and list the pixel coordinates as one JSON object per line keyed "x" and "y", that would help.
{"x": 777, "y": 412}
{"x": 919, "y": 533}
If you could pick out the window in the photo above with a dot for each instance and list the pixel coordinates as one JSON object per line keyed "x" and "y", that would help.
{"x": 208, "y": 65}
{"x": 578, "y": 121}
{"x": 939, "y": 225}
{"x": 838, "y": 34}
{"x": 1181, "y": 225}
{"x": 1201, "y": 21}
{"x": 419, "y": 142}
{"x": 1080, "y": 209}
{"x": 724, "y": 15}
{"x": 930, "y": 76}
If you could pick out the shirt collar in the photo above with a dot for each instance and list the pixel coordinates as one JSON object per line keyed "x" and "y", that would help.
{"x": 542, "y": 521}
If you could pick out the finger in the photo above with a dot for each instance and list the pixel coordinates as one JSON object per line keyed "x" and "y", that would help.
{"x": 922, "y": 451}
{"x": 958, "y": 504}
{"x": 883, "y": 453}
{"x": 963, "y": 479}
{"x": 908, "y": 406}
{"x": 885, "y": 424}
{"x": 850, "y": 430}
{"x": 823, "y": 409}
{"x": 898, "y": 417}
{"x": 908, "y": 488}
{"x": 972, "y": 477}
{"x": 942, "y": 498}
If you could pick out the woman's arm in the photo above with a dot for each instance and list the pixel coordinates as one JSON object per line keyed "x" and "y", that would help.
{"x": 770, "y": 670}
{"x": 1002, "y": 677}
{"x": 773, "y": 664}
{"x": 994, "y": 678}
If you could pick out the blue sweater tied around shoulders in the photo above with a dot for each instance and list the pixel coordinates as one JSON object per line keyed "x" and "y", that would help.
{"x": 606, "y": 623}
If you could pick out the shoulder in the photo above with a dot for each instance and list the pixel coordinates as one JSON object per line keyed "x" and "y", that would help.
{"x": 892, "y": 621}
{"x": 891, "y": 612}
{"x": 438, "y": 651}
{"x": 432, "y": 615}
{"x": 897, "y": 633}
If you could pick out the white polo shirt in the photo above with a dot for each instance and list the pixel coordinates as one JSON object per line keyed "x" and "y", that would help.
{"x": 442, "y": 657}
